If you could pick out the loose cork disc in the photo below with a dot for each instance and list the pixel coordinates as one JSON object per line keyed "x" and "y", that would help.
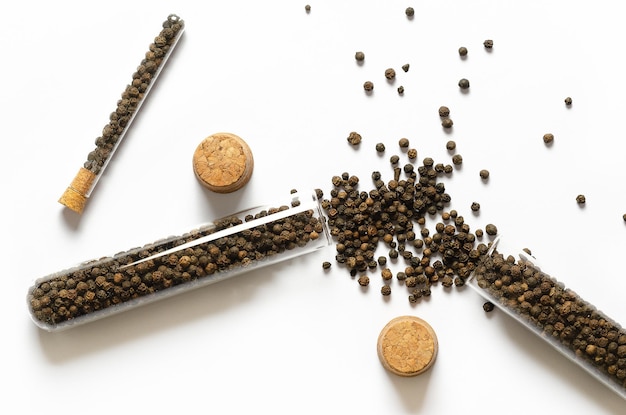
{"x": 223, "y": 162}
{"x": 407, "y": 346}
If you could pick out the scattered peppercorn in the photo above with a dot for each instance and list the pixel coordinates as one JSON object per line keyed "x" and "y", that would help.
{"x": 568, "y": 101}
{"x": 464, "y": 83}
{"x": 390, "y": 73}
{"x": 403, "y": 142}
{"x": 488, "y": 307}
{"x": 444, "y": 111}
{"x": 412, "y": 155}
{"x": 380, "y": 147}
{"x": 463, "y": 51}
{"x": 447, "y": 123}
{"x": 457, "y": 159}
{"x": 354, "y": 138}
{"x": 359, "y": 56}
{"x": 400, "y": 90}
{"x": 326, "y": 265}
{"x": 405, "y": 67}
{"x": 624, "y": 217}
{"x": 475, "y": 207}
{"x": 307, "y": 8}
{"x": 451, "y": 145}
{"x": 410, "y": 12}
{"x": 548, "y": 138}
{"x": 484, "y": 174}
{"x": 488, "y": 44}
{"x": 394, "y": 159}
{"x": 368, "y": 86}
{"x": 364, "y": 280}
{"x": 491, "y": 229}
{"x": 581, "y": 199}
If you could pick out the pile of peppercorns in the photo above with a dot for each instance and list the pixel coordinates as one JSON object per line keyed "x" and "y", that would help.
{"x": 102, "y": 285}
{"x": 133, "y": 95}
{"x": 394, "y": 213}
{"x": 557, "y": 313}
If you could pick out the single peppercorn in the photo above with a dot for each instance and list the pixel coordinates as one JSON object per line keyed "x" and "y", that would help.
{"x": 359, "y": 56}
{"x": 457, "y": 159}
{"x": 403, "y": 142}
{"x": 412, "y": 154}
{"x": 354, "y": 138}
{"x": 475, "y": 206}
{"x": 380, "y": 147}
{"x": 400, "y": 90}
{"x": 447, "y": 123}
{"x": 488, "y": 44}
{"x": 624, "y": 217}
{"x": 385, "y": 290}
{"x": 405, "y": 67}
{"x": 581, "y": 199}
{"x": 568, "y": 101}
{"x": 307, "y": 8}
{"x": 484, "y": 174}
{"x": 390, "y": 74}
{"x": 368, "y": 86}
{"x": 394, "y": 159}
{"x": 462, "y": 51}
{"x": 488, "y": 307}
{"x": 548, "y": 138}
{"x": 464, "y": 83}
{"x": 364, "y": 280}
{"x": 326, "y": 265}
{"x": 444, "y": 111}
{"x": 491, "y": 229}
{"x": 409, "y": 11}
{"x": 451, "y": 145}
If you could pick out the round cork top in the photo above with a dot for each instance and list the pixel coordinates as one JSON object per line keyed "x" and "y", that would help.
{"x": 223, "y": 162}
{"x": 407, "y": 346}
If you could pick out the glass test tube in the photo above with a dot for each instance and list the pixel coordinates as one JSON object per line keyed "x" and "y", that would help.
{"x": 210, "y": 253}
{"x": 558, "y": 315}
{"x": 76, "y": 195}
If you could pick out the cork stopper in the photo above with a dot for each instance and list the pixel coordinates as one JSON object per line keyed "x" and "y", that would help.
{"x": 407, "y": 346}
{"x": 223, "y": 162}
{"x": 75, "y": 196}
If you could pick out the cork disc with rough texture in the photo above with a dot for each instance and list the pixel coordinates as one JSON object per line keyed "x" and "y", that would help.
{"x": 407, "y": 346}
{"x": 223, "y": 162}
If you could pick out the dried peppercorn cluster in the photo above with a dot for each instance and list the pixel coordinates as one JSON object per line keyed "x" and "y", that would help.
{"x": 133, "y": 95}
{"x": 394, "y": 213}
{"x": 159, "y": 267}
{"x": 557, "y": 313}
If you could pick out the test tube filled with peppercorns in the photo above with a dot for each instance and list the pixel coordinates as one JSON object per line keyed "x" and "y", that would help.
{"x": 557, "y": 314}
{"x": 77, "y": 193}
{"x": 210, "y": 253}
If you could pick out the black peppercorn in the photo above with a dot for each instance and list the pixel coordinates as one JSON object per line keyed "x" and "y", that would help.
{"x": 581, "y": 199}
{"x": 380, "y": 147}
{"x": 403, "y": 142}
{"x": 463, "y": 51}
{"x": 447, "y": 123}
{"x": 409, "y": 11}
{"x": 307, "y": 8}
{"x": 405, "y": 67}
{"x": 464, "y": 83}
{"x": 491, "y": 229}
{"x": 548, "y": 138}
{"x": 484, "y": 174}
{"x": 385, "y": 290}
{"x": 457, "y": 159}
{"x": 444, "y": 111}
{"x": 450, "y": 145}
{"x": 368, "y": 86}
{"x": 400, "y": 90}
{"x": 359, "y": 56}
{"x": 568, "y": 101}
{"x": 488, "y": 306}
{"x": 488, "y": 44}
{"x": 354, "y": 138}
{"x": 390, "y": 73}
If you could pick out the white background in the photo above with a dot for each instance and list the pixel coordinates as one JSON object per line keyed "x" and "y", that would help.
{"x": 290, "y": 338}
